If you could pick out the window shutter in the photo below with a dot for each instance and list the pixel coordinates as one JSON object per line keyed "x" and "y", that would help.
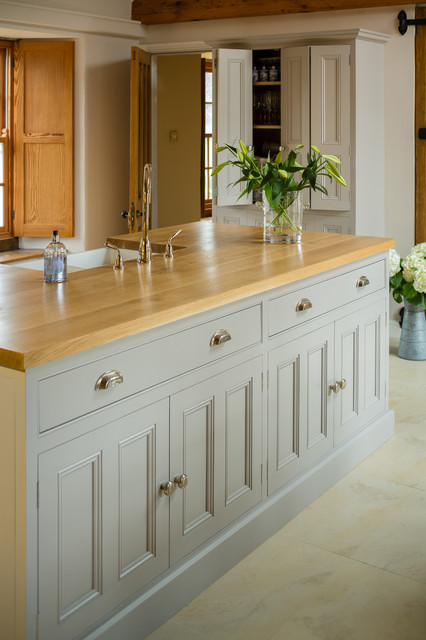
{"x": 44, "y": 132}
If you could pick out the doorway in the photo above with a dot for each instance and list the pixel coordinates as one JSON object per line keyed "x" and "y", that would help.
{"x": 183, "y": 123}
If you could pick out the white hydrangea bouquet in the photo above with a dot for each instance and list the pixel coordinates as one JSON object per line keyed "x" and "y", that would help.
{"x": 407, "y": 276}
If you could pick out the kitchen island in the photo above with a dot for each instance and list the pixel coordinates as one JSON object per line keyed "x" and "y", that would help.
{"x": 160, "y": 422}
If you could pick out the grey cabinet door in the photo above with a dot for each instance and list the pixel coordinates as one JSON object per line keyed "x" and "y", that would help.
{"x": 215, "y": 439}
{"x": 103, "y": 523}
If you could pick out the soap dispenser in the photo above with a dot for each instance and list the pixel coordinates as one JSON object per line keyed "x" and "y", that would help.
{"x": 55, "y": 260}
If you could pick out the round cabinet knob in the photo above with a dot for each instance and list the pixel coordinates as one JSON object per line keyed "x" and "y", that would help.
{"x": 335, "y": 387}
{"x": 219, "y": 337}
{"x": 168, "y": 487}
{"x": 338, "y": 385}
{"x": 108, "y": 380}
{"x": 181, "y": 480}
{"x": 362, "y": 282}
{"x": 304, "y": 304}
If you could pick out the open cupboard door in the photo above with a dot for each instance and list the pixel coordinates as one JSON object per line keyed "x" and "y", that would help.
{"x": 140, "y": 129}
{"x": 44, "y": 132}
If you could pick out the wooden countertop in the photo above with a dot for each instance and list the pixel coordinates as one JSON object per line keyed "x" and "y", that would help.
{"x": 219, "y": 264}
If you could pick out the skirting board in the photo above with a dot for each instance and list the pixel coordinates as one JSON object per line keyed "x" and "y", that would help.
{"x": 183, "y": 582}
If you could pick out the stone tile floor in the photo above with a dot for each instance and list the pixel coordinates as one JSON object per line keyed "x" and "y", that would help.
{"x": 352, "y": 566}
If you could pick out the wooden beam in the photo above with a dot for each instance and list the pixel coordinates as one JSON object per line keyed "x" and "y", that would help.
{"x": 167, "y": 11}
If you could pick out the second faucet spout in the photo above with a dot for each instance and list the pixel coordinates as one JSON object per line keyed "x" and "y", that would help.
{"x": 145, "y": 253}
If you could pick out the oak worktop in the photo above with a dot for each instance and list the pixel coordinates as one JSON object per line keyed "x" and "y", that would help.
{"x": 216, "y": 264}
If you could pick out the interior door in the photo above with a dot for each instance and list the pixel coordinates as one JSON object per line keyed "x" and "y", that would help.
{"x": 140, "y": 129}
{"x": 234, "y": 115}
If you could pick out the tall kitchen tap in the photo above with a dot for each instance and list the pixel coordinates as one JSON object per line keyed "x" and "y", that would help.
{"x": 145, "y": 253}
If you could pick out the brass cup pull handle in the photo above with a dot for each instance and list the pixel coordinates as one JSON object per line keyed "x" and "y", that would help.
{"x": 167, "y": 487}
{"x": 108, "y": 380}
{"x": 219, "y": 337}
{"x": 304, "y": 304}
{"x": 338, "y": 385}
{"x": 181, "y": 481}
{"x": 363, "y": 281}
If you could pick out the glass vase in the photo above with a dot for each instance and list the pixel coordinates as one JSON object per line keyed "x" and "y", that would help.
{"x": 284, "y": 223}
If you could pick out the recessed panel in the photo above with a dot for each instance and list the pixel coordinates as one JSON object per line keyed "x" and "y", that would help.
{"x": 316, "y": 399}
{"x": 288, "y": 384}
{"x": 79, "y": 534}
{"x": 198, "y": 465}
{"x": 136, "y": 500}
{"x": 238, "y": 441}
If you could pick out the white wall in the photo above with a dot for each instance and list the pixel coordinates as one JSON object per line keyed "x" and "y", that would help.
{"x": 102, "y": 104}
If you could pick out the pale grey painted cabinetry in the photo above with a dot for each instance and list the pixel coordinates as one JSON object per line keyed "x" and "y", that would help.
{"x": 142, "y": 494}
{"x": 332, "y": 96}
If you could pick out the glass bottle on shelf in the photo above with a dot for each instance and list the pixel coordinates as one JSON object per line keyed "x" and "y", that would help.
{"x": 263, "y": 74}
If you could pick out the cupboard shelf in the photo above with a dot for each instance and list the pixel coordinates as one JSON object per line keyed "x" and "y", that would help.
{"x": 266, "y": 126}
{"x": 268, "y": 83}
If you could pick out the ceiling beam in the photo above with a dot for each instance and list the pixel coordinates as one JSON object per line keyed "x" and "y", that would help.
{"x": 167, "y": 11}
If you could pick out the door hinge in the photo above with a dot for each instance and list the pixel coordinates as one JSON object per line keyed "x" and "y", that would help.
{"x": 215, "y": 192}
{"x": 38, "y": 494}
{"x": 386, "y": 318}
{"x": 215, "y": 63}
{"x": 13, "y": 215}
{"x": 261, "y": 385}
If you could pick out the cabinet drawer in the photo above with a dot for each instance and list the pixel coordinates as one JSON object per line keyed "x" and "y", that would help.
{"x": 324, "y": 296}
{"x": 65, "y": 395}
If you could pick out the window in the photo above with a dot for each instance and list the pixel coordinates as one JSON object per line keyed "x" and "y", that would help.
{"x": 5, "y": 147}
{"x": 36, "y": 142}
{"x": 207, "y": 139}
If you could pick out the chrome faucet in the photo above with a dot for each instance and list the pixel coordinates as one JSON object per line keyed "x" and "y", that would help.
{"x": 145, "y": 253}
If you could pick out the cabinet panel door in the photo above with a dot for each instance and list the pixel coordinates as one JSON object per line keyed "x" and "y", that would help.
{"x": 234, "y": 116}
{"x": 359, "y": 360}
{"x": 295, "y": 101}
{"x": 299, "y": 416}
{"x": 330, "y": 119}
{"x": 215, "y": 439}
{"x": 102, "y": 523}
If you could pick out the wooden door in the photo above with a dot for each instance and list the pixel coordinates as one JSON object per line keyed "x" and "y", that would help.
{"x": 140, "y": 129}
{"x": 215, "y": 439}
{"x": 420, "y": 123}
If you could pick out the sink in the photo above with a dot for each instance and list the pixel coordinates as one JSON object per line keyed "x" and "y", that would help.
{"x": 83, "y": 260}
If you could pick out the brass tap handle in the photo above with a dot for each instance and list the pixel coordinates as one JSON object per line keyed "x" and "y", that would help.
{"x": 168, "y": 252}
{"x": 118, "y": 264}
